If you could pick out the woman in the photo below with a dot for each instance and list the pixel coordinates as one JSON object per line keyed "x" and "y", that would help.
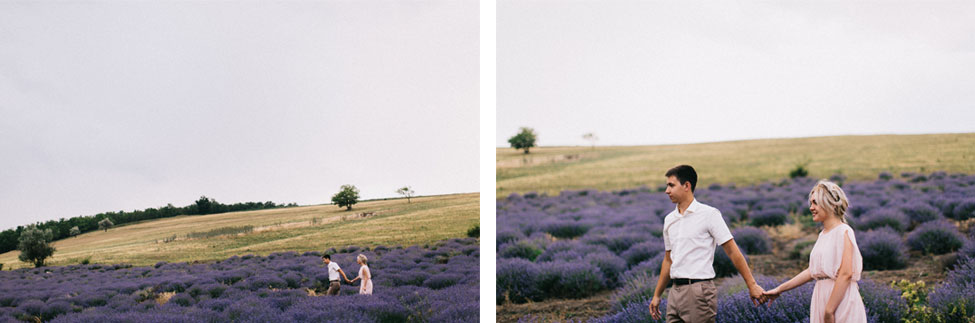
{"x": 835, "y": 262}
{"x": 366, "y": 287}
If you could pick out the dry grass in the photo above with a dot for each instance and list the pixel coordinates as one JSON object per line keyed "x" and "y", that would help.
{"x": 547, "y": 169}
{"x": 394, "y": 222}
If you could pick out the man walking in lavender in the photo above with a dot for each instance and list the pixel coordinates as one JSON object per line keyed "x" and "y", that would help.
{"x": 691, "y": 233}
{"x": 333, "y": 275}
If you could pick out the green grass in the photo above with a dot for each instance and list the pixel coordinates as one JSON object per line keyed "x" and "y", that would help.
{"x": 300, "y": 229}
{"x": 554, "y": 169}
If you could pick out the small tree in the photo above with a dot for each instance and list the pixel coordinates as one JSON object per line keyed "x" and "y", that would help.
{"x": 347, "y": 196}
{"x": 34, "y": 245}
{"x": 406, "y": 191}
{"x": 592, "y": 139}
{"x": 525, "y": 139}
{"x": 74, "y": 231}
{"x": 104, "y": 224}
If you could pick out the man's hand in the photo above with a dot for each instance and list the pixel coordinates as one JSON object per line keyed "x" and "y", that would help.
{"x": 757, "y": 294}
{"x": 655, "y": 308}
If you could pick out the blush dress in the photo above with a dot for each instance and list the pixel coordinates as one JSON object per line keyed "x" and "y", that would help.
{"x": 366, "y": 287}
{"x": 824, "y": 263}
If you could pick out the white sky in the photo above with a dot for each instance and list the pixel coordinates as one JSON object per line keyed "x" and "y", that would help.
{"x": 651, "y": 72}
{"x": 123, "y": 105}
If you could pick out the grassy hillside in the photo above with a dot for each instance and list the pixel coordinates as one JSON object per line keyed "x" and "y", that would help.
{"x": 554, "y": 169}
{"x": 308, "y": 228}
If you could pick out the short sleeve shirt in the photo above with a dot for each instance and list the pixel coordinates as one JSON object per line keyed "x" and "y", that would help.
{"x": 691, "y": 239}
{"x": 333, "y": 271}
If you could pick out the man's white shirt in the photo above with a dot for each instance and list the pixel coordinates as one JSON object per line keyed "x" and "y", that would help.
{"x": 333, "y": 271}
{"x": 691, "y": 239}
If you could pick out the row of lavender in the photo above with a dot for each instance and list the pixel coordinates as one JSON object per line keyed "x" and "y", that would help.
{"x": 437, "y": 283}
{"x": 582, "y": 242}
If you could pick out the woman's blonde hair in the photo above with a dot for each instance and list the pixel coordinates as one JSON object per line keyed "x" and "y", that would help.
{"x": 831, "y": 197}
{"x": 362, "y": 258}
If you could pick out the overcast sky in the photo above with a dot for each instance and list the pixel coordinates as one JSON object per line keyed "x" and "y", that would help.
{"x": 640, "y": 72}
{"x": 123, "y": 105}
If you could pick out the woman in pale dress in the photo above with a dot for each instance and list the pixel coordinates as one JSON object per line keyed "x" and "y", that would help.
{"x": 366, "y": 287}
{"x": 835, "y": 262}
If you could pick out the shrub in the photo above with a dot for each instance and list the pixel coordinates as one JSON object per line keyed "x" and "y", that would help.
{"x": 610, "y": 265}
{"x": 799, "y": 171}
{"x": 570, "y": 279}
{"x": 443, "y": 280}
{"x": 954, "y": 300}
{"x": 964, "y": 210}
{"x": 565, "y": 229}
{"x": 517, "y": 280}
{"x": 920, "y": 212}
{"x": 752, "y": 240}
{"x": 768, "y": 217}
{"x": 508, "y": 236}
{"x": 521, "y": 249}
{"x": 637, "y": 289}
{"x": 791, "y": 306}
{"x": 723, "y": 266}
{"x": 935, "y": 237}
{"x": 883, "y": 217}
{"x": 882, "y": 249}
{"x": 475, "y": 231}
{"x": 884, "y": 304}
{"x": 885, "y": 176}
{"x": 649, "y": 267}
{"x": 642, "y": 251}
{"x": 634, "y": 313}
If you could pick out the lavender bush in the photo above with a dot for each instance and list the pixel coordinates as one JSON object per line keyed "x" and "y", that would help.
{"x": 935, "y": 237}
{"x": 882, "y": 249}
{"x": 752, "y": 240}
{"x": 253, "y": 289}
{"x": 883, "y": 217}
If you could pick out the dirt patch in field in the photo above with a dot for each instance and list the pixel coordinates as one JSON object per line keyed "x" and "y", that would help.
{"x": 557, "y": 310}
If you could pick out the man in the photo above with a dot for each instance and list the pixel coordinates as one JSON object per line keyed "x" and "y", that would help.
{"x": 690, "y": 234}
{"x": 333, "y": 275}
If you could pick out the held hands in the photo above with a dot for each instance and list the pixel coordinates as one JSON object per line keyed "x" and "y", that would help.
{"x": 771, "y": 295}
{"x": 757, "y": 293}
{"x": 655, "y": 308}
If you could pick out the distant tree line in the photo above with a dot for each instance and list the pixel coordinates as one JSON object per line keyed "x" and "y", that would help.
{"x": 62, "y": 228}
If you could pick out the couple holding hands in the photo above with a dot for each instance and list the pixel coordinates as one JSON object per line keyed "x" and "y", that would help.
{"x": 693, "y": 229}
{"x": 334, "y": 270}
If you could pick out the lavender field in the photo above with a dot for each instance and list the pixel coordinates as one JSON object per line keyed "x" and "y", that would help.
{"x": 431, "y": 283}
{"x": 590, "y": 243}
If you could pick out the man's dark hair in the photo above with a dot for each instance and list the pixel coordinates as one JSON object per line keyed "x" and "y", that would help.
{"x": 684, "y": 174}
{"x": 327, "y": 256}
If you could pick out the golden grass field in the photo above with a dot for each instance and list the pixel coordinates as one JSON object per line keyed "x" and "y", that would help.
{"x": 395, "y": 222}
{"x": 554, "y": 169}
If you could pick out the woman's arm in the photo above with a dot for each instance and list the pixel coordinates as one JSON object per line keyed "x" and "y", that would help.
{"x": 843, "y": 278}
{"x": 798, "y": 280}
{"x": 366, "y": 273}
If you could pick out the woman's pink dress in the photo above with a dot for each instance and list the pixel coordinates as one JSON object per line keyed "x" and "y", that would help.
{"x": 824, "y": 263}
{"x": 366, "y": 286}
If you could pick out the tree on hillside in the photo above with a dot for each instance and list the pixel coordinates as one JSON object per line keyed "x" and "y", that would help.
{"x": 347, "y": 196}
{"x": 592, "y": 138}
{"x": 205, "y": 205}
{"x": 406, "y": 191}
{"x": 525, "y": 139}
{"x": 74, "y": 231}
{"x": 105, "y": 224}
{"x": 34, "y": 245}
